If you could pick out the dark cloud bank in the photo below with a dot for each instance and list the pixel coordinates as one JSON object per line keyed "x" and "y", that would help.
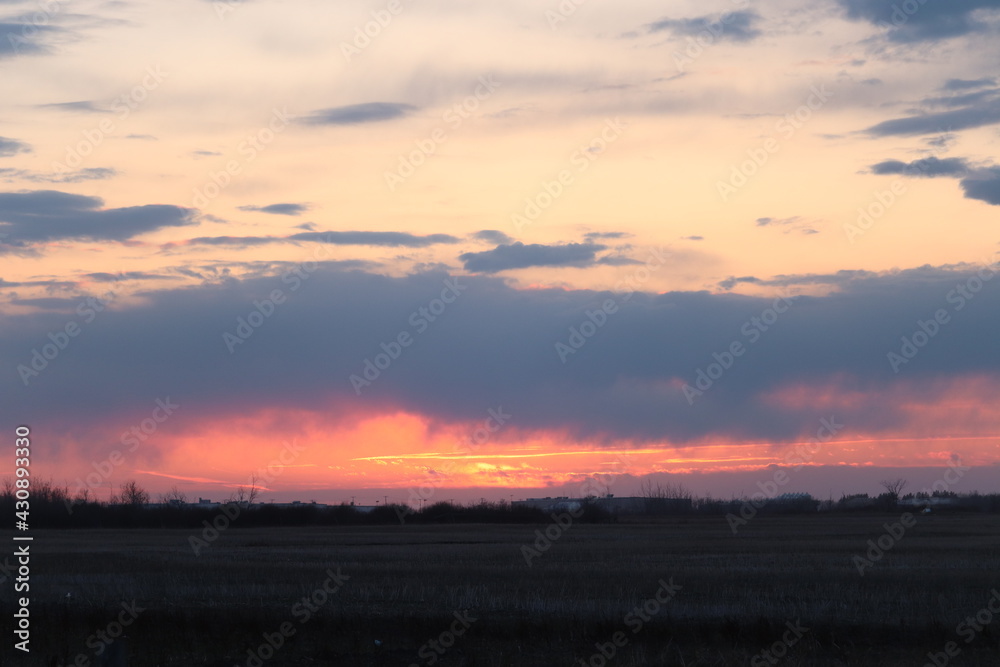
{"x": 496, "y": 345}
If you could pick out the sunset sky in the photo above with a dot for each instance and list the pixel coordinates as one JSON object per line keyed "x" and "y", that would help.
{"x": 500, "y": 249}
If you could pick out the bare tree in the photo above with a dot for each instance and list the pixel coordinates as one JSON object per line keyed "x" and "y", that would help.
{"x": 894, "y": 487}
{"x": 246, "y": 495}
{"x": 132, "y": 494}
{"x": 649, "y": 490}
{"x": 173, "y": 495}
{"x": 662, "y": 491}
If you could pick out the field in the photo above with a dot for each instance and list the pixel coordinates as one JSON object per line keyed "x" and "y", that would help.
{"x": 788, "y": 585}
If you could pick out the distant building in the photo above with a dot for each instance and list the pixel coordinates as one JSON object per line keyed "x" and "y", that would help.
{"x": 550, "y": 504}
{"x": 299, "y": 503}
{"x": 624, "y": 505}
{"x": 933, "y": 501}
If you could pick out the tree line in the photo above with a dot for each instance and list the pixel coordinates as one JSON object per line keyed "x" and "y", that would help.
{"x": 52, "y": 506}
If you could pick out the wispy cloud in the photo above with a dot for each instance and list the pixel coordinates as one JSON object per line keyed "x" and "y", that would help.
{"x": 278, "y": 209}
{"x": 521, "y": 256}
{"x": 10, "y": 147}
{"x": 369, "y": 112}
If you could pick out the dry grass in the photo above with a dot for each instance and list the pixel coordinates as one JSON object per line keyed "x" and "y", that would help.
{"x": 406, "y": 581}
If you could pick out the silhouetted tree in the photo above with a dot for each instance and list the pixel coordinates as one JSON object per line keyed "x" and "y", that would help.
{"x": 893, "y": 488}
{"x": 132, "y": 494}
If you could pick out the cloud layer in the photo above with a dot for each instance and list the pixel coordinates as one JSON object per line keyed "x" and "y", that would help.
{"x": 622, "y": 378}
{"x": 921, "y": 20}
{"x": 520, "y": 256}
{"x": 32, "y": 217}
{"x": 354, "y": 114}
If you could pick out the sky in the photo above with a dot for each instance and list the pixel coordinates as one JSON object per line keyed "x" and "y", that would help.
{"x": 441, "y": 250}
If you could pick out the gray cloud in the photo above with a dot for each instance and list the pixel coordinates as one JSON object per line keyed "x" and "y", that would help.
{"x": 966, "y": 84}
{"x": 88, "y": 106}
{"x": 929, "y": 167}
{"x": 979, "y": 97}
{"x": 595, "y": 236}
{"x": 495, "y": 345}
{"x": 384, "y": 239}
{"x": 492, "y": 236}
{"x": 85, "y": 174}
{"x": 768, "y": 222}
{"x": 23, "y": 38}
{"x": 521, "y": 256}
{"x": 388, "y": 239}
{"x": 793, "y": 224}
{"x": 10, "y": 147}
{"x": 278, "y": 209}
{"x": 618, "y": 260}
{"x": 103, "y": 277}
{"x": 733, "y": 281}
{"x": 244, "y": 241}
{"x": 353, "y": 114}
{"x": 841, "y": 279}
{"x": 43, "y": 215}
{"x": 927, "y": 20}
{"x": 987, "y": 112}
{"x": 738, "y": 26}
{"x": 983, "y": 184}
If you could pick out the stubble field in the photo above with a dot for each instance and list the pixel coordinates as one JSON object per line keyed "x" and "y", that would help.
{"x": 682, "y": 591}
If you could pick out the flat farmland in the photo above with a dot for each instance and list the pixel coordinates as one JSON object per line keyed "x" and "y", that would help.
{"x": 682, "y": 591}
